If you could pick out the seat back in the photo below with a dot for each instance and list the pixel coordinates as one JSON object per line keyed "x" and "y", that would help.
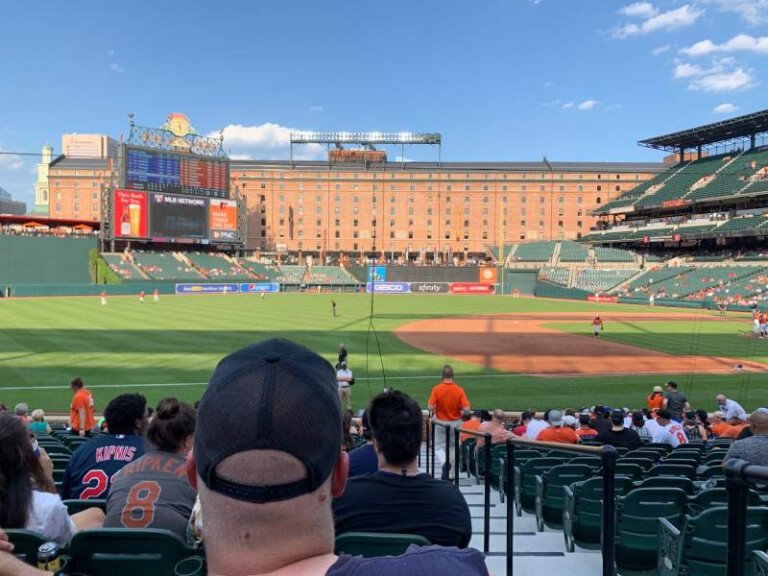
{"x": 591, "y": 461}
{"x": 684, "y": 484}
{"x": 371, "y": 545}
{"x": 714, "y": 497}
{"x": 75, "y": 506}
{"x": 633, "y": 471}
{"x": 644, "y": 463}
{"x": 658, "y": 446}
{"x": 674, "y": 470}
{"x": 25, "y": 544}
{"x": 123, "y": 552}
{"x": 685, "y": 457}
{"x": 653, "y": 455}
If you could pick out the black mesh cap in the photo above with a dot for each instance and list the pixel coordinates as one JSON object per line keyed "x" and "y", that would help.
{"x": 274, "y": 395}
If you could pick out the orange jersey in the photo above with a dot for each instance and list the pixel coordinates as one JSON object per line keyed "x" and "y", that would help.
{"x": 448, "y": 399}
{"x": 82, "y": 399}
{"x": 561, "y": 434}
{"x": 655, "y": 402}
{"x": 763, "y": 319}
{"x": 471, "y": 424}
{"x": 733, "y": 431}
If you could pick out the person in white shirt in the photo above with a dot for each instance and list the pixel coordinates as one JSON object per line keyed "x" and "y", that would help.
{"x": 535, "y": 426}
{"x": 29, "y": 500}
{"x": 731, "y": 408}
{"x": 345, "y": 379}
{"x": 669, "y": 432}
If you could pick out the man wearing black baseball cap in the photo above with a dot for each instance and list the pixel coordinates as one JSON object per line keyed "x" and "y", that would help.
{"x": 266, "y": 491}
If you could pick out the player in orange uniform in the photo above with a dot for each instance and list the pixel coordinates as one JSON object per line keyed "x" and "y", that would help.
{"x": 756, "y": 322}
{"x": 763, "y": 324}
{"x": 156, "y": 295}
{"x": 103, "y": 297}
{"x": 597, "y": 326}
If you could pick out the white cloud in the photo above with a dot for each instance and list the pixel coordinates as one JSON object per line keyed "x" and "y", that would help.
{"x": 739, "y": 43}
{"x": 316, "y": 108}
{"x": 267, "y": 141}
{"x": 640, "y": 9}
{"x": 116, "y": 68}
{"x": 551, "y": 103}
{"x": 568, "y": 105}
{"x": 681, "y": 17}
{"x": 403, "y": 159}
{"x": 687, "y": 70}
{"x": 587, "y": 105}
{"x": 738, "y": 79}
{"x": 753, "y": 12}
{"x": 725, "y": 108}
{"x": 660, "y": 50}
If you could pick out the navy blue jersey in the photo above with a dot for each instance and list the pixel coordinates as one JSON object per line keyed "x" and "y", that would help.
{"x": 92, "y": 466}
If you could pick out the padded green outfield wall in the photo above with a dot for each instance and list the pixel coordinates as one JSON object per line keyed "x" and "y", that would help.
{"x": 44, "y": 260}
{"x": 22, "y": 290}
{"x": 547, "y": 290}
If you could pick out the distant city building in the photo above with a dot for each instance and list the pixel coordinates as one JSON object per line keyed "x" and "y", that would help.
{"x": 10, "y": 206}
{"x": 88, "y": 146}
{"x": 41, "y": 185}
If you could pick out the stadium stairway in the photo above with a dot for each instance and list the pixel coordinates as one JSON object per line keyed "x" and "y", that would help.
{"x": 535, "y": 552}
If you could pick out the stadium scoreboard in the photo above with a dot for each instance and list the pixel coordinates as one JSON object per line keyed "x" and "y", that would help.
{"x": 162, "y": 171}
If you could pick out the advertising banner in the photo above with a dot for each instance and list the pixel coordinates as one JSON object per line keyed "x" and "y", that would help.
{"x": 130, "y": 219}
{"x": 469, "y": 288}
{"x": 489, "y": 275}
{"x": 223, "y": 220}
{"x": 377, "y": 274}
{"x": 207, "y": 288}
{"x": 602, "y": 298}
{"x": 429, "y": 287}
{"x": 388, "y": 287}
{"x": 260, "y": 287}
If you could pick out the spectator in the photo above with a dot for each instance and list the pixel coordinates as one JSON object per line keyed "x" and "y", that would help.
{"x": 754, "y": 449}
{"x": 345, "y": 381}
{"x": 703, "y": 419}
{"x": 525, "y": 419}
{"x": 655, "y": 399}
{"x": 735, "y": 428}
{"x": 447, "y": 401}
{"x": 618, "y": 435}
{"x": 342, "y": 355}
{"x": 92, "y": 466}
{"x": 675, "y": 402}
{"x": 348, "y": 441}
{"x": 718, "y": 424}
{"x": 585, "y": 431}
{"x": 694, "y": 431}
{"x": 495, "y": 428}
{"x": 266, "y": 492}
{"x": 557, "y": 432}
{"x": 667, "y": 431}
{"x": 730, "y": 408}
{"x": 21, "y": 412}
{"x": 81, "y": 410}
{"x": 640, "y": 426}
{"x": 28, "y": 498}
{"x": 157, "y": 480}
{"x": 38, "y": 425}
{"x": 399, "y": 498}
{"x": 469, "y": 421}
{"x": 599, "y": 421}
{"x": 363, "y": 460}
{"x": 536, "y": 425}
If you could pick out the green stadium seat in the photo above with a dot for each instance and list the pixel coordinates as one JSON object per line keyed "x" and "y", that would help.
{"x": 700, "y": 547}
{"x": 673, "y": 470}
{"x": 644, "y": 463}
{"x": 658, "y": 446}
{"x": 75, "y": 506}
{"x": 525, "y": 482}
{"x": 25, "y": 544}
{"x": 123, "y": 552}
{"x": 467, "y": 455}
{"x": 592, "y": 461}
{"x": 683, "y": 460}
{"x": 761, "y": 563}
{"x": 685, "y": 457}
{"x": 521, "y": 456}
{"x": 549, "y": 492}
{"x": 684, "y": 484}
{"x": 715, "y": 470}
{"x": 716, "y": 497}
{"x": 637, "y": 516}
{"x": 648, "y": 454}
{"x": 371, "y": 545}
{"x": 583, "y": 511}
{"x": 633, "y": 471}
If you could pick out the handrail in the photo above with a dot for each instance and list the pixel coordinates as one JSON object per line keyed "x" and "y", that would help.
{"x": 487, "y": 503}
{"x": 738, "y": 477}
{"x": 608, "y": 454}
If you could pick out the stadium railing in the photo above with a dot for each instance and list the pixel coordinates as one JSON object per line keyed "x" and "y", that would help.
{"x": 739, "y": 477}
{"x": 608, "y": 456}
{"x": 457, "y": 432}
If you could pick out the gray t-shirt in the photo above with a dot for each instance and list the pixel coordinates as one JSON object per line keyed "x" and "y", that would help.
{"x": 675, "y": 403}
{"x": 152, "y": 492}
{"x": 753, "y": 450}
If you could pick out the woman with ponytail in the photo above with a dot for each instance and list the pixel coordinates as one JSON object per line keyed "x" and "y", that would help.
{"x": 153, "y": 491}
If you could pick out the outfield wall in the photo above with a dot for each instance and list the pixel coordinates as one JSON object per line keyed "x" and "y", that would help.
{"x": 45, "y": 259}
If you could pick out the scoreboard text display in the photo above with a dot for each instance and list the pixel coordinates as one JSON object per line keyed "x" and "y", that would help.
{"x": 160, "y": 171}
{"x": 178, "y": 217}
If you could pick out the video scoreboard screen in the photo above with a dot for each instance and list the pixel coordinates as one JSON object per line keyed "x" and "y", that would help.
{"x": 160, "y": 171}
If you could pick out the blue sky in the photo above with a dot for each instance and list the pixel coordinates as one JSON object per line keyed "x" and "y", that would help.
{"x": 502, "y": 80}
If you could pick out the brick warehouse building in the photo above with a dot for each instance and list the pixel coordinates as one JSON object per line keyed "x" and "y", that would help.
{"x": 419, "y": 208}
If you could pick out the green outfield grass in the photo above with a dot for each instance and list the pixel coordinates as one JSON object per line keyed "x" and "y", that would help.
{"x": 173, "y": 346}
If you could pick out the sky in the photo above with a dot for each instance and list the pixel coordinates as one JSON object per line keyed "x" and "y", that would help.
{"x": 510, "y": 80}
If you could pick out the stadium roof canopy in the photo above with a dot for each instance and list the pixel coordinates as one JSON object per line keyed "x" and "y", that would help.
{"x": 732, "y": 129}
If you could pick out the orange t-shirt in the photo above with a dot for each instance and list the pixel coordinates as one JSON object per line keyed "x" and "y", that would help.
{"x": 718, "y": 429}
{"x": 82, "y": 399}
{"x": 471, "y": 424}
{"x": 561, "y": 434}
{"x": 655, "y": 402}
{"x": 448, "y": 399}
{"x": 733, "y": 431}
{"x": 581, "y": 433}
